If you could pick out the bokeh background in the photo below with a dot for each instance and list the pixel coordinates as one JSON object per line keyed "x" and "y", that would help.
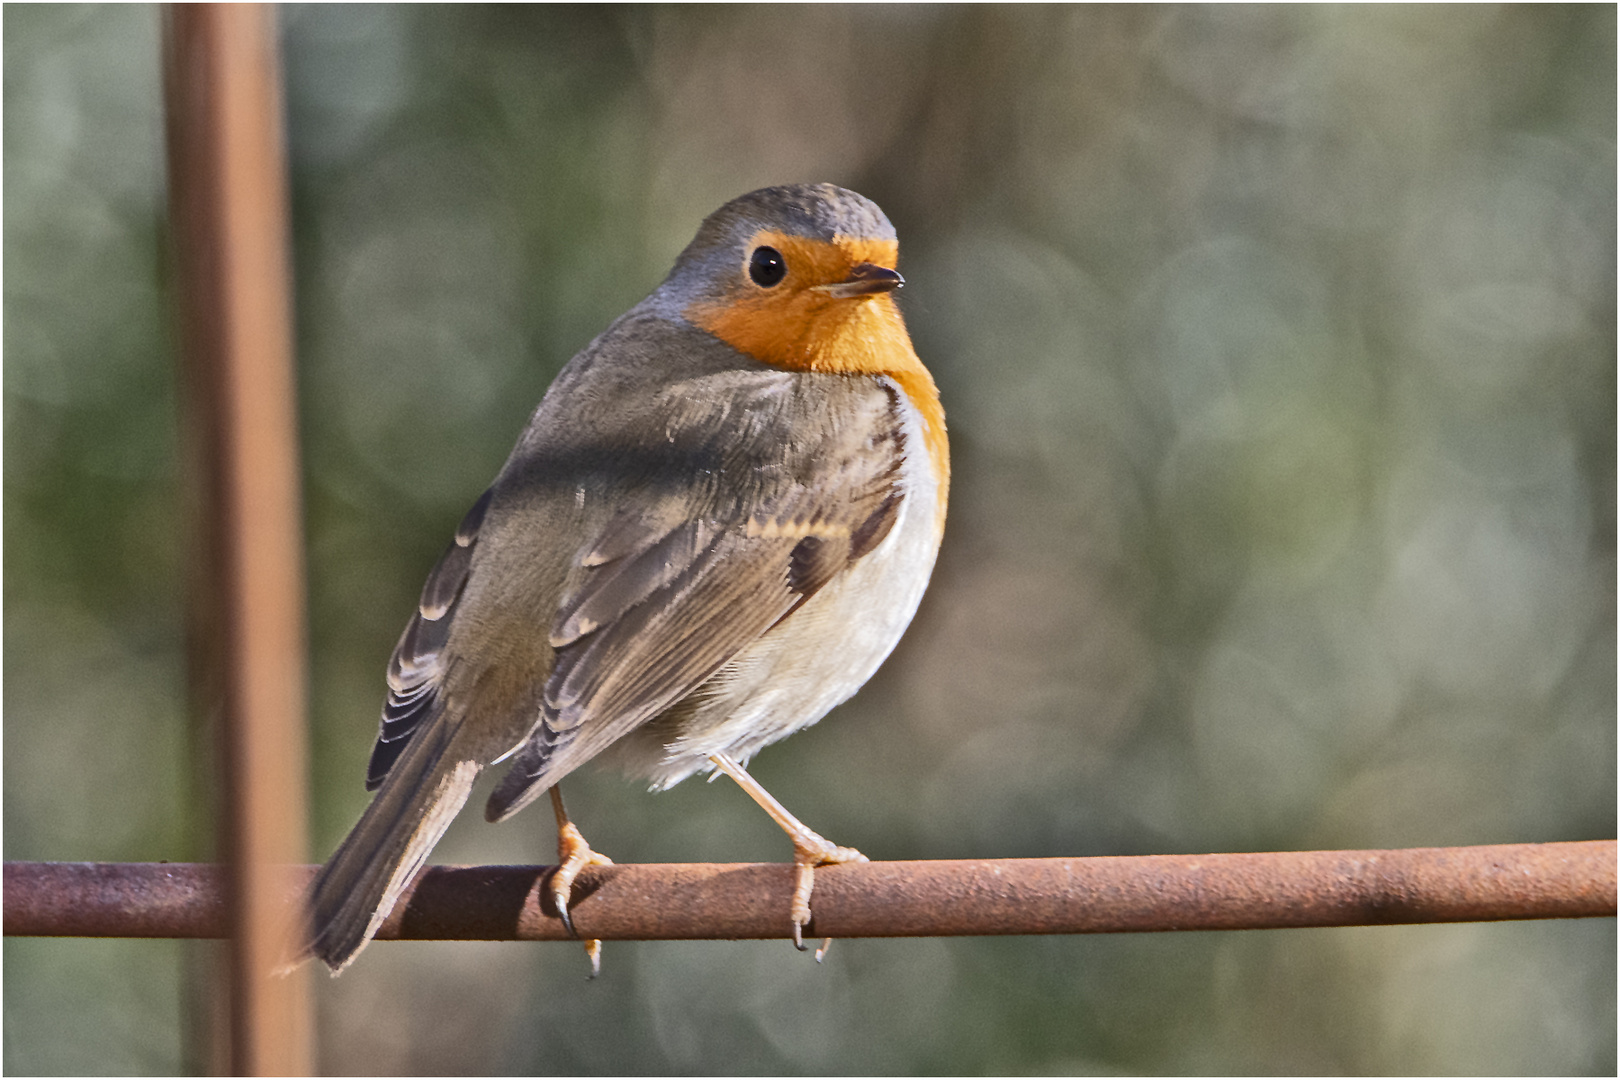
{"x": 1278, "y": 348}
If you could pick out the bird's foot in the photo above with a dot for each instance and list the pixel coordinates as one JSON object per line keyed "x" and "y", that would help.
{"x": 811, "y": 850}
{"x": 574, "y": 855}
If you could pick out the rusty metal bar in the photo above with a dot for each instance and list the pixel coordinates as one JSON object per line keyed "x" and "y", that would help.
{"x": 228, "y": 200}
{"x": 892, "y": 899}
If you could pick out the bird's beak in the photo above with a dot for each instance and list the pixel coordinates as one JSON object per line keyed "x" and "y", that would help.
{"x": 866, "y": 279}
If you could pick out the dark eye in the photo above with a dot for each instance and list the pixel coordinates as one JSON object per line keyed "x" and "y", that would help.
{"x": 766, "y": 267}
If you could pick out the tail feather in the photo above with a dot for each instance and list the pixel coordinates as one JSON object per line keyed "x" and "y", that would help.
{"x": 359, "y": 884}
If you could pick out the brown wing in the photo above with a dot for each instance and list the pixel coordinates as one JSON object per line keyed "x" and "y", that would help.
{"x": 416, "y": 671}
{"x": 666, "y": 599}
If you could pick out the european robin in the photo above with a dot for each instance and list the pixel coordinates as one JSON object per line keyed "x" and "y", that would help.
{"x": 716, "y": 525}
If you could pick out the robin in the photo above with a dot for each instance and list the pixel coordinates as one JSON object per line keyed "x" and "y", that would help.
{"x": 717, "y": 524}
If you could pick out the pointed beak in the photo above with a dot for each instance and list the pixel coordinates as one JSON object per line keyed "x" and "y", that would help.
{"x": 866, "y": 279}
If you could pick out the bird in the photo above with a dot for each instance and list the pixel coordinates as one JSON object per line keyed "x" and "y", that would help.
{"x": 716, "y": 525}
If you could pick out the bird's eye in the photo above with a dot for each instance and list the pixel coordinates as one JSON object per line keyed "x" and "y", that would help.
{"x": 765, "y": 267}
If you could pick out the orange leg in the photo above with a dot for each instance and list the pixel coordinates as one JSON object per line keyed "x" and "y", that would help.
{"x": 573, "y": 855}
{"x": 810, "y": 849}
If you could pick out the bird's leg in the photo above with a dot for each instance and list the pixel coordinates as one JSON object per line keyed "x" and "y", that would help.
{"x": 573, "y": 855}
{"x": 810, "y": 849}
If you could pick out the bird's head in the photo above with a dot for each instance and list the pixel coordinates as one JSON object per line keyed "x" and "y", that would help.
{"x": 799, "y": 277}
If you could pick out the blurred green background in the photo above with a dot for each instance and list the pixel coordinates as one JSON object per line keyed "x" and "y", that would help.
{"x": 1278, "y": 348}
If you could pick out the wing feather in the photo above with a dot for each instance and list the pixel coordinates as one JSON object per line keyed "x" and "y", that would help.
{"x": 659, "y": 608}
{"x": 416, "y": 668}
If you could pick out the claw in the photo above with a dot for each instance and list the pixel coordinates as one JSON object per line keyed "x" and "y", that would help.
{"x": 573, "y": 855}
{"x": 810, "y": 849}
{"x": 559, "y": 897}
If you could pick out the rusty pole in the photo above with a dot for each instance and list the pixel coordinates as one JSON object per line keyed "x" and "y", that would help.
{"x": 228, "y": 207}
{"x": 884, "y": 899}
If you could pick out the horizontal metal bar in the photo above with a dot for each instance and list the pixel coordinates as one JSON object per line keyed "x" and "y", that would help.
{"x": 881, "y": 899}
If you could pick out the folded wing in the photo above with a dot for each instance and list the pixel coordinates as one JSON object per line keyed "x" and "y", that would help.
{"x": 665, "y": 599}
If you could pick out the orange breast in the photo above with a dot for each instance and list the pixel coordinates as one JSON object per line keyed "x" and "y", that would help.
{"x": 798, "y": 327}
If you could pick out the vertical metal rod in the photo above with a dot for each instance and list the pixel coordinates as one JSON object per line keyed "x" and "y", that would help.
{"x": 228, "y": 202}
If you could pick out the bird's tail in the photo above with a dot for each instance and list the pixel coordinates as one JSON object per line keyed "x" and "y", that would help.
{"x": 357, "y": 888}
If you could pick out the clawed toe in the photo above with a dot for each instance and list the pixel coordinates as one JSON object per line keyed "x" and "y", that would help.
{"x": 810, "y": 849}
{"x": 573, "y": 855}
{"x": 809, "y": 852}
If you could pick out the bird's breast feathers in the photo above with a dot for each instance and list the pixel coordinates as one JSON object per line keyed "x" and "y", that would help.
{"x": 824, "y": 650}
